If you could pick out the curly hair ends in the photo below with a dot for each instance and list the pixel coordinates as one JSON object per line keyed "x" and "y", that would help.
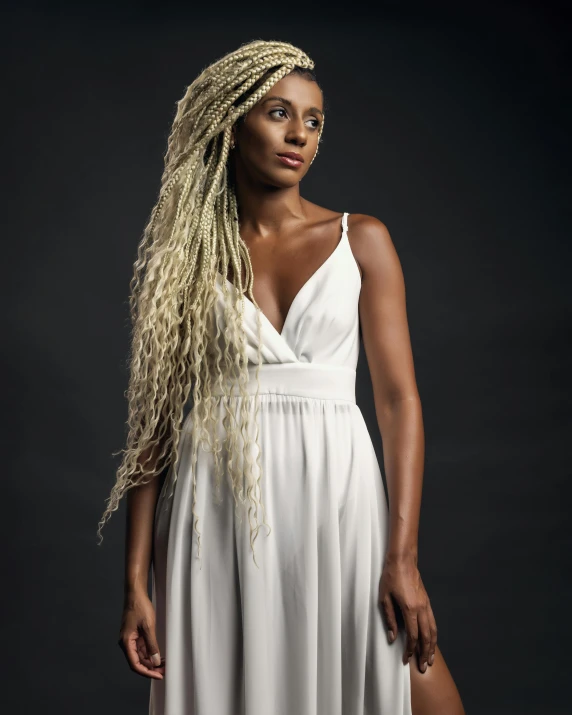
{"x": 177, "y": 347}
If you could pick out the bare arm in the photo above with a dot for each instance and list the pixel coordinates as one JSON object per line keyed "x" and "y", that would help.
{"x": 387, "y": 345}
{"x": 137, "y": 636}
{"x": 397, "y": 404}
{"x": 141, "y": 503}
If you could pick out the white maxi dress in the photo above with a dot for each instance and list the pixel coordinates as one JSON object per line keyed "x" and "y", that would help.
{"x": 303, "y": 633}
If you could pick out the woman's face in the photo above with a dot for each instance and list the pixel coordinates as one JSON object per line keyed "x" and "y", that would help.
{"x": 286, "y": 120}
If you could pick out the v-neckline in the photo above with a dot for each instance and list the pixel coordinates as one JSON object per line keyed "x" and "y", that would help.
{"x": 318, "y": 270}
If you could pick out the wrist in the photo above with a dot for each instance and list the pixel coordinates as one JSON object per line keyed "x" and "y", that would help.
{"x": 134, "y": 588}
{"x": 401, "y": 555}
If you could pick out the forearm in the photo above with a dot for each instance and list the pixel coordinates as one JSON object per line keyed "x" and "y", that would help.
{"x": 141, "y": 504}
{"x": 401, "y": 427}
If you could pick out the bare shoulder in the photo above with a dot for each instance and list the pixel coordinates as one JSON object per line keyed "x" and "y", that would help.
{"x": 372, "y": 246}
{"x": 368, "y": 229}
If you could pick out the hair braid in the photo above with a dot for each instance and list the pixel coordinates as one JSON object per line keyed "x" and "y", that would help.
{"x": 177, "y": 345}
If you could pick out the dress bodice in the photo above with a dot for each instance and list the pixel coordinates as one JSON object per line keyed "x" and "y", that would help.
{"x": 322, "y": 324}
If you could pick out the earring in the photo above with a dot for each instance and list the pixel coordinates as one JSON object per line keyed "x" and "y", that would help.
{"x": 232, "y": 144}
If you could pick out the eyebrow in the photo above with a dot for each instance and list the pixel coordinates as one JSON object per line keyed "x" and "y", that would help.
{"x": 289, "y": 103}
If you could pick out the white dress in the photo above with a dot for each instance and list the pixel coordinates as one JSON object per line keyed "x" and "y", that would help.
{"x": 302, "y": 634}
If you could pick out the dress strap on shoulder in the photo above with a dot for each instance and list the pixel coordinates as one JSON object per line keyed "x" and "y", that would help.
{"x": 345, "y": 222}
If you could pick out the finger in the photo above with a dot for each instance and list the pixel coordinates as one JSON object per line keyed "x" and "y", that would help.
{"x": 144, "y": 657}
{"x": 412, "y": 628}
{"x": 424, "y": 642}
{"x": 388, "y": 611}
{"x": 129, "y": 647}
{"x": 433, "y": 630}
{"x": 153, "y": 653}
{"x": 143, "y": 653}
{"x": 148, "y": 663}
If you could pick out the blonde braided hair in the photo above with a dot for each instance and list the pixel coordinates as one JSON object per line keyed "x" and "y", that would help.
{"x": 193, "y": 233}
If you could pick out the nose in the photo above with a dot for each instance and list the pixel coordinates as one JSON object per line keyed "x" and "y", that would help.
{"x": 297, "y": 132}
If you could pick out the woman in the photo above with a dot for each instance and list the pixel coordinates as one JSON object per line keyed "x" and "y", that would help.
{"x": 305, "y": 620}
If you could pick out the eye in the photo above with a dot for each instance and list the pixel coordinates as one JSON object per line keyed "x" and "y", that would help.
{"x": 277, "y": 109}
{"x": 273, "y": 112}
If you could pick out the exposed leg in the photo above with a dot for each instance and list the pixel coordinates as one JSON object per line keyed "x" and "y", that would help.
{"x": 434, "y": 692}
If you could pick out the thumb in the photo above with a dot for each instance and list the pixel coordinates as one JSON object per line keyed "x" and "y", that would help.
{"x": 151, "y": 643}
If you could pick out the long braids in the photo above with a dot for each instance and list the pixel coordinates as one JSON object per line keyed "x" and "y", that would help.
{"x": 193, "y": 234}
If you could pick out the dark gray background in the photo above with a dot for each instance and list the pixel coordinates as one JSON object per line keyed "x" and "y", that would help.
{"x": 446, "y": 121}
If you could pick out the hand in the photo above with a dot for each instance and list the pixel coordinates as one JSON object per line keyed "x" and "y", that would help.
{"x": 137, "y": 637}
{"x": 401, "y": 580}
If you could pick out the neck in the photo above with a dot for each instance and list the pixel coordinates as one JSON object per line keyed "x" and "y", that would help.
{"x": 266, "y": 210}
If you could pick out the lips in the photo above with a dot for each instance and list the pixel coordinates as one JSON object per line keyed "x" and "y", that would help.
{"x": 291, "y": 158}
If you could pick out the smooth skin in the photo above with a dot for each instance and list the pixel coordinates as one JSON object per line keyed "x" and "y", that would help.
{"x": 288, "y": 238}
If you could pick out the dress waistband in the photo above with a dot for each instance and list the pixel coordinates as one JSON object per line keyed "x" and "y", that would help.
{"x": 320, "y": 381}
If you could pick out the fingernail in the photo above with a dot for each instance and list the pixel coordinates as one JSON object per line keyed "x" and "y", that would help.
{"x": 431, "y": 658}
{"x": 390, "y": 635}
{"x": 156, "y": 659}
{"x": 424, "y": 666}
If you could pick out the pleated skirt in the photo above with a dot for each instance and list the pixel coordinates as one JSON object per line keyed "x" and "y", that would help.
{"x": 302, "y": 633}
